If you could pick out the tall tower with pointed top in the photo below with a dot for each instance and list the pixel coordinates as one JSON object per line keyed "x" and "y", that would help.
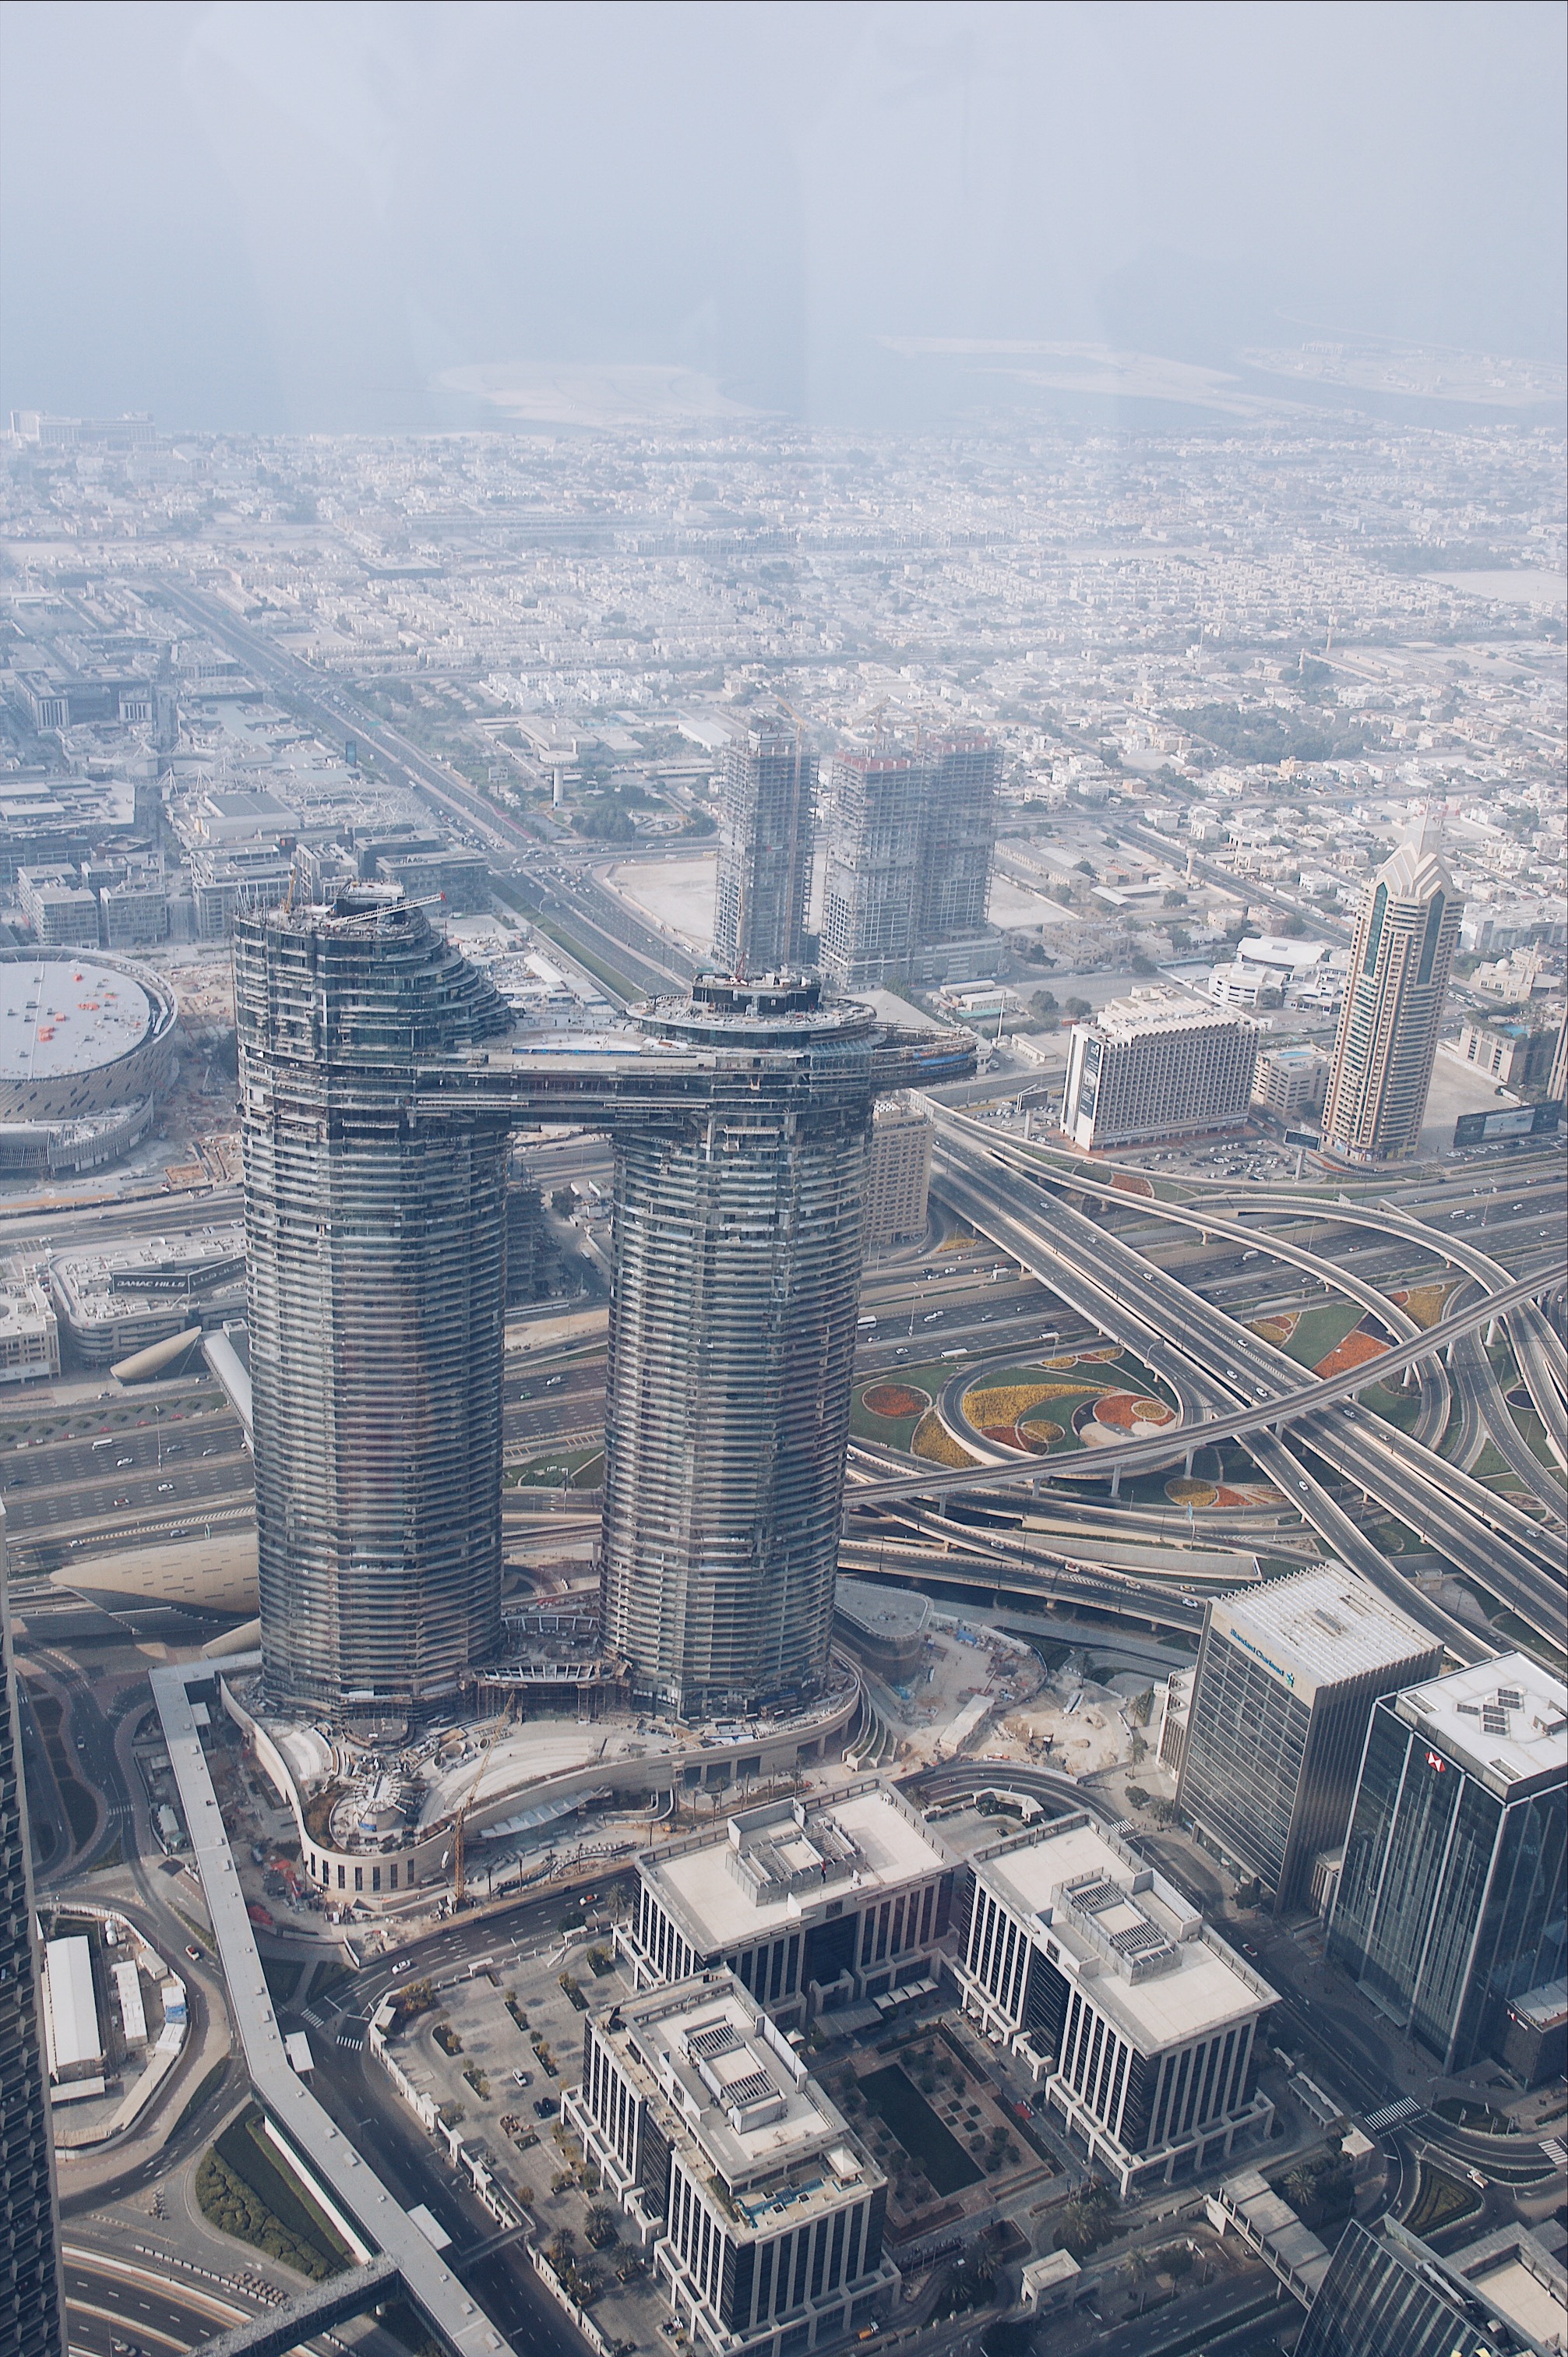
{"x": 1403, "y": 954}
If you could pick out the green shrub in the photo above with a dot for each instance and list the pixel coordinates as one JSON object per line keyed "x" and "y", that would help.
{"x": 242, "y": 2191}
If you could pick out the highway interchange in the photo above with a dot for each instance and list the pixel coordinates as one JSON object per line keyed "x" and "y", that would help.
{"x": 1176, "y": 1282}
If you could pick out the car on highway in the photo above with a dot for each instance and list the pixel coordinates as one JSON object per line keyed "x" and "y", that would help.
{"x": 194, "y": 1953}
{"x": 165, "y": 1485}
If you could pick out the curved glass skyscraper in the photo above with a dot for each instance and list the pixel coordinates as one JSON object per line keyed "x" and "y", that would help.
{"x": 732, "y": 1341}
{"x": 374, "y": 1241}
{"x": 375, "y": 1112}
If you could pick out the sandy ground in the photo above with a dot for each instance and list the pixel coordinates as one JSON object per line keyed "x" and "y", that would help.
{"x": 678, "y": 892}
{"x": 1075, "y": 1724}
{"x": 1015, "y": 904}
{"x": 970, "y": 1675}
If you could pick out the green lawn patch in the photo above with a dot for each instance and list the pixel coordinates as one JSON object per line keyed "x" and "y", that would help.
{"x": 559, "y": 1469}
{"x": 896, "y": 2101}
{"x": 1320, "y": 1330}
{"x": 1399, "y": 1408}
{"x": 1515, "y": 1631}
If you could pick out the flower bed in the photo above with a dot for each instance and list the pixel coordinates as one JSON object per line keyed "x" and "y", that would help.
{"x": 894, "y": 1401}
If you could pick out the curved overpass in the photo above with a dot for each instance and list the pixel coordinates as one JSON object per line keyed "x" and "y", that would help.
{"x": 1489, "y": 1540}
{"x": 1486, "y": 1507}
{"x": 1120, "y": 1293}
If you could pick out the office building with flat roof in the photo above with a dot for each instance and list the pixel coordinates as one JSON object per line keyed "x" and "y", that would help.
{"x": 1287, "y": 1675}
{"x": 763, "y": 2213}
{"x": 1453, "y": 1895}
{"x": 1103, "y": 1978}
{"x": 815, "y": 1907}
{"x": 1388, "y": 2293}
{"x": 1401, "y": 960}
{"x": 1289, "y": 1082}
{"x": 30, "y": 2287}
{"x": 1157, "y": 1065}
{"x": 767, "y": 785}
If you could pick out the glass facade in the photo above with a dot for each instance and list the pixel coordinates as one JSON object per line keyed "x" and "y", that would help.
{"x": 375, "y": 1248}
{"x": 909, "y": 842}
{"x": 375, "y": 1136}
{"x": 1452, "y": 1900}
{"x": 1375, "y": 2302}
{"x": 731, "y": 1342}
{"x": 30, "y": 2265}
{"x": 1406, "y": 936}
{"x": 1246, "y": 1744}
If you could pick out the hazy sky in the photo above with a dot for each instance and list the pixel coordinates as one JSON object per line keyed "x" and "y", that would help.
{"x": 307, "y": 213}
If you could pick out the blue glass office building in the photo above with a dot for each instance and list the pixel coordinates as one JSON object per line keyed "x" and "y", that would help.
{"x": 1387, "y": 2294}
{"x": 1453, "y": 1898}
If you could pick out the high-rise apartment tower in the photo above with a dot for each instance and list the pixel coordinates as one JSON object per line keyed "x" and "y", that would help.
{"x": 374, "y": 1246}
{"x": 1400, "y": 964}
{"x": 737, "y": 1243}
{"x": 760, "y": 908}
{"x": 908, "y": 857}
{"x": 375, "y": 1110}
{"x": 30, "y": 2294}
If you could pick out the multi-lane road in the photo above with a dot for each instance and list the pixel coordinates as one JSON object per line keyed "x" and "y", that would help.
{"x": 1255, "y": 1389}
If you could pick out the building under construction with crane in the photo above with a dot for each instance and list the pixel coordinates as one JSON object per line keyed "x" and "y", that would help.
{"x": 377, "y": 1096}
{"x": 910, "y": 833}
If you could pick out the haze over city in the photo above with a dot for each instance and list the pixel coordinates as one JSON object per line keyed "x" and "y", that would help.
{"x": 783, "y": 1046}
{"x": 357, "y": 216}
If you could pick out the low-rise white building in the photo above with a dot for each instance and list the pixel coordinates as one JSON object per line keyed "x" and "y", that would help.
{"x": 125, "y": 1295}
{"x": 815, "y": 1907}
{"x": 73, "y": 2034}
{"x": 763, "y": 2213}
{"x": 30, "y": 1334}
{"x": 1101, "y": 1975}
{"x": 1290, "y": 1083}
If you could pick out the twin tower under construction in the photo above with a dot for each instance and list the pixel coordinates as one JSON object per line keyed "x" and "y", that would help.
{"x": 377, "y": 1097}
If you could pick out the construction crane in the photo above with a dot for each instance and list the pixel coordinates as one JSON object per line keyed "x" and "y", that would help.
{"x": 459, "y": 1881}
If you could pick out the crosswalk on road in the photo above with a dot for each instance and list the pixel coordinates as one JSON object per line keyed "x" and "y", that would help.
{"x": 1394, "y": 2116}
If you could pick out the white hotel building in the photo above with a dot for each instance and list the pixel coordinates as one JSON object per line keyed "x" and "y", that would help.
{"x": 815, "y": 1908}
{"x": 763, "y": 2213}
{"x": 1101, "y": 1977}
{"x": 1155, "y": 1066}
